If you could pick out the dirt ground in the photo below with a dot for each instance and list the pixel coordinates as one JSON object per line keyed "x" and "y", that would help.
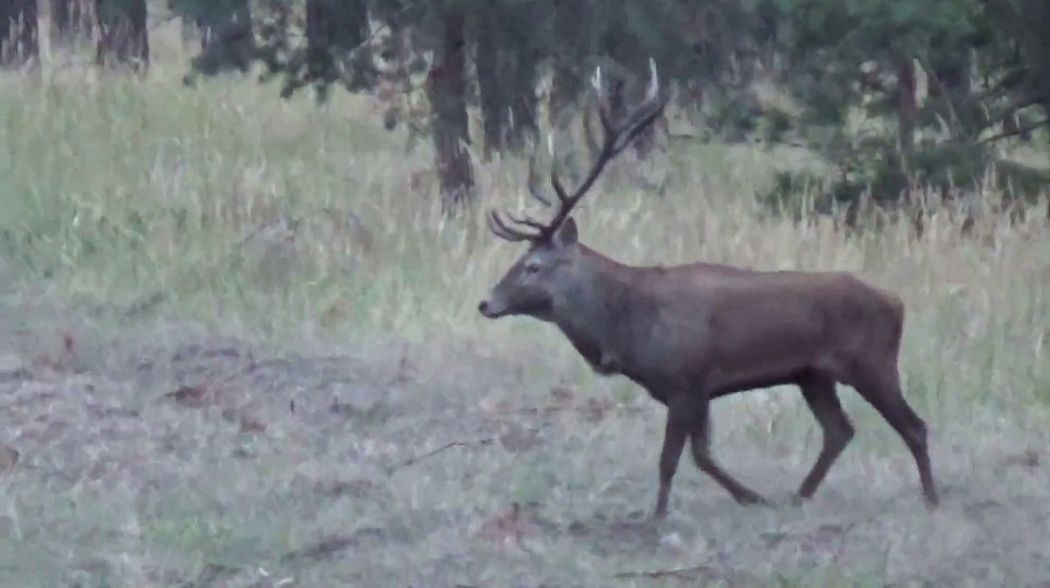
{"x": 170, "y": 455}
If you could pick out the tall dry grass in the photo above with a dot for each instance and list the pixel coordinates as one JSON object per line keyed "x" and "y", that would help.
{"x": 222, "y": 201}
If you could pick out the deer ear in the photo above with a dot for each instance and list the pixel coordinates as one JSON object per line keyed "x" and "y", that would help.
{"x": 566, "y": 234}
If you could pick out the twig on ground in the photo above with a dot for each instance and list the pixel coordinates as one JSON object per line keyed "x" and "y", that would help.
{"x": 523, "y": 411}
{"x": 690, "y": 572}
{"x": 445, "y": 447}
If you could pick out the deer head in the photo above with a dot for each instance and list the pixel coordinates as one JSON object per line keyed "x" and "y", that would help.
{"x": 536, "y": 282}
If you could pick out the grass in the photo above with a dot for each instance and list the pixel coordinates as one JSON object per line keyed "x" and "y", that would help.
{"x": 261, "y": 253}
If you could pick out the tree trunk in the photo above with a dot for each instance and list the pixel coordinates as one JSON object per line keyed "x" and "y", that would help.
{"x": 569, "y": 16}
{"x": 507, "y": 71}
{"x": 492, "y": 91}
{"x": 446, "y": 88}
{"x": 18, "y": 32}
{"x": 188, "y": 32}
{"x": 522, "y": 125}
{"x": 1026, "y": 22}
{"x": 572, "y": 48}
{"x": 62, "y": 30}
{"x": 70, "y": 21}
{"x": 951, "y": 83}
{"x": 123, "y": 38}
{"x": 333, "y": 29}
{"x": 226, "y": 35}
{"x": 907, "y": 109}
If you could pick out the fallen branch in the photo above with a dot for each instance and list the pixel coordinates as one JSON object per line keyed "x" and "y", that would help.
{"x": 690, "y": 572}
{"x": 500, "y": 415}
{"x": 445, "y": 447}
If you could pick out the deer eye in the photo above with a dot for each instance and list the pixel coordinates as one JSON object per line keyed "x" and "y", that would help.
{"x": 532, "y": 267}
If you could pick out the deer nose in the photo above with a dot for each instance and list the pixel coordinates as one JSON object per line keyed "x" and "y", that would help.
{"x": 483, "y": 306}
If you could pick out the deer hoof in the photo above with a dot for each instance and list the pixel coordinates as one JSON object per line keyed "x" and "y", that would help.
{"x": 750, "y": 499}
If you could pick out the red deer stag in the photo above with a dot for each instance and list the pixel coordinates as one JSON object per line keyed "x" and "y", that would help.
{"x": 692, "y": 333}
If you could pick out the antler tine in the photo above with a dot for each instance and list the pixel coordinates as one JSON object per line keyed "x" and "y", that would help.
{"x": 604, "y": 114}
{"x": 528, "y": 221}
{"x": 654, "y": 82}
{"x": 563, "y": 196}
{"x": 644, "y": 114}
{"x": 641, "y": 119}
{"x": 616, "y": 140}
{"x": 496, "y": 228}
{"x": 501, "y": 230}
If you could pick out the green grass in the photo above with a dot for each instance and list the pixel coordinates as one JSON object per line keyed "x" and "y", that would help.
{"x": 142, "y": 217}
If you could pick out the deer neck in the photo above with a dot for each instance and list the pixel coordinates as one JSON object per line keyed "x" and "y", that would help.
{"x": 599, "y": 312}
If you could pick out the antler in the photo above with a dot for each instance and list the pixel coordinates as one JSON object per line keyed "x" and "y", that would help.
{"x": 617, "y": 138}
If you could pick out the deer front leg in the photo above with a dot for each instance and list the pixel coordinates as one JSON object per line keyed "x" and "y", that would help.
{"x": 700, "y": 439}
{"x": 675, "y": 432}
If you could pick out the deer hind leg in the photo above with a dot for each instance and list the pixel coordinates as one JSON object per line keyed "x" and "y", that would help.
{"x": 699, "y": 436}
{"x": 819, "y": 392}
{"x": 882, "y": 389}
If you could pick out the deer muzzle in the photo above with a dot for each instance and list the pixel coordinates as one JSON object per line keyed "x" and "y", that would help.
{"x": 491, "y": 310}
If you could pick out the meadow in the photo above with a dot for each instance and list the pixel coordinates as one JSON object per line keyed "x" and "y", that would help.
{"x": 240, "y": 346}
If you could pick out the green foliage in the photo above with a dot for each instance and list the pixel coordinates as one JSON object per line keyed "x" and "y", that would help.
{"x": 856, "y": 61}
{"x": 317, "y": 44}
{"x": 845, "y": 74}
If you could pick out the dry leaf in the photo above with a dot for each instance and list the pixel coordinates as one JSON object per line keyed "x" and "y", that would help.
{"x": 8, "y": 459}
{"x": 250, "y": 424}
{"x": 595, "y": 410}
{"x": 518, "y": 438}
{"x": 357, "y": 488}
{"x": 326, "y": 549}
{"x": 509, "y": 526}
{"x": 1028, "y": 459}
{"x": 561, "y": 397}
{"x": 191, "y": 396}
{"x": 492, "y": 404}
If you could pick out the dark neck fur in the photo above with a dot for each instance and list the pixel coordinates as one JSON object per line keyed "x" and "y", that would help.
{"x": 598, "y": 313}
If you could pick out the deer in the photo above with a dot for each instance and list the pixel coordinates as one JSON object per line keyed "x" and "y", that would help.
{"x": 692, "y": 333}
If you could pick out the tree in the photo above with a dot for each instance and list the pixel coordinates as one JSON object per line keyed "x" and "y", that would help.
{"x": 70, "y": 21}
{"x": 707, "y": 47}
{"x": 867, "y": 56}
{"x": 226, "y": 33}
{"x": 492, "y": 93}
{"x": 340, "y": 49}
{"x": 573, "y": 47}
{"x": 18, "y": 32}
{"x": 828, "y": 61}
{"x": 335, "y": 49}
{"x": 507, "y": 59}
{"x": 1025, "y": 23}
{"x": 447, "y": 91}
{"x": 123, "y": 37}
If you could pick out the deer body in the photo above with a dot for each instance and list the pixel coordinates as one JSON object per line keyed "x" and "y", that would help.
{"x": 715, "y": 328}
{"x": 692, "y": 333}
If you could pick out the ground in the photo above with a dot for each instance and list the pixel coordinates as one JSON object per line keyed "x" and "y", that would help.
{"x": 173, "y": 455}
